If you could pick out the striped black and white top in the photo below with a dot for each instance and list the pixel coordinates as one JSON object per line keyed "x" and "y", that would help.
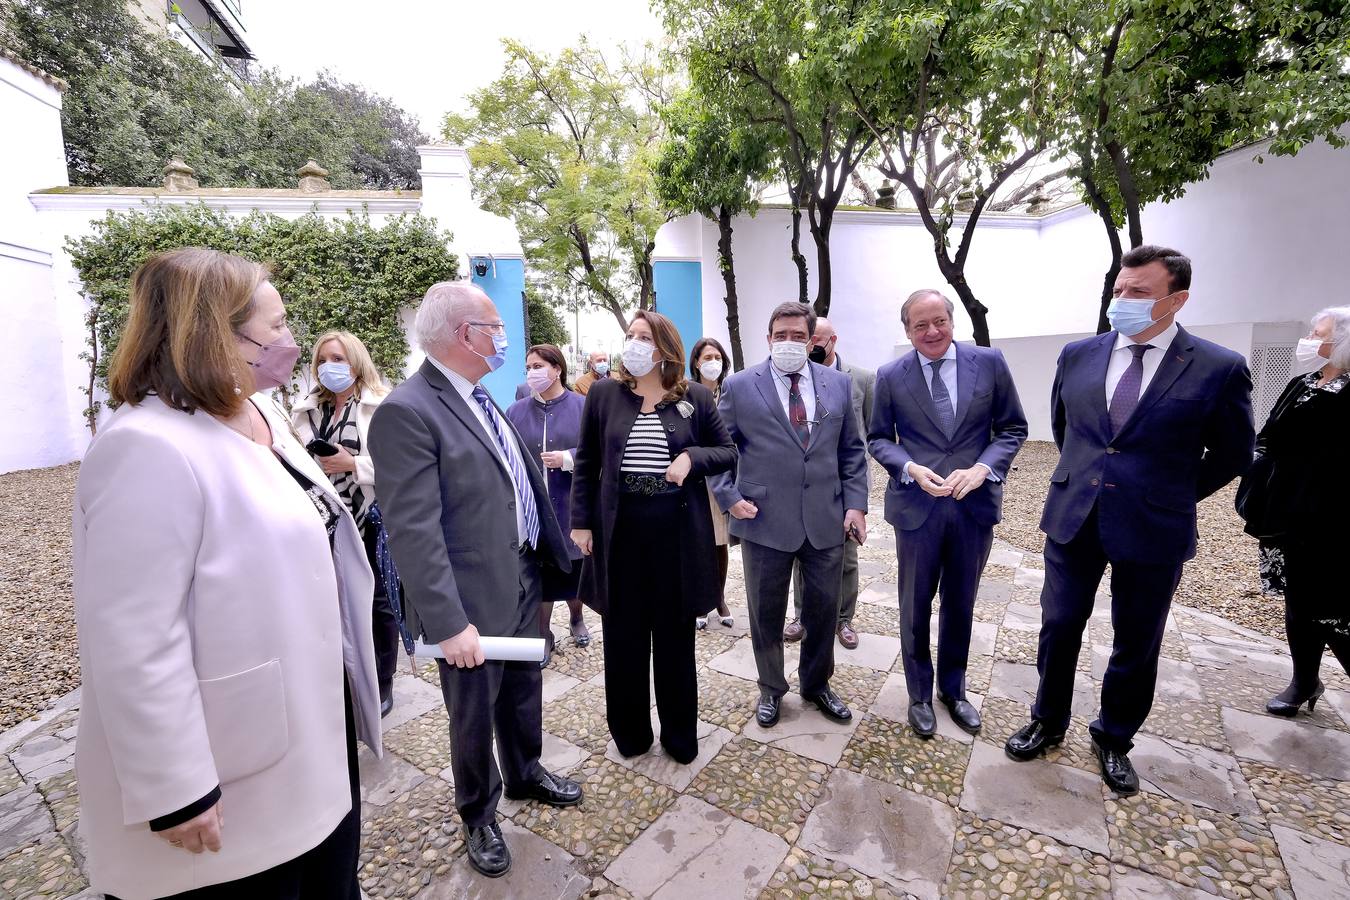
{"x": 646, "y": 451}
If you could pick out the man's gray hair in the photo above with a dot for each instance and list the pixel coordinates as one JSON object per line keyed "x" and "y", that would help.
{"x": 924, "y": 294}
{"x": 446, "y": 306}
{"x": 1340, "y": 334}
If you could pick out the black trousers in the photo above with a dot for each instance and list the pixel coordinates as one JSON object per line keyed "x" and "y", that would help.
{"x": 945, "y": 556}
{"x": 1141, "y": 595}
{"x": 501, "y": 699}
{"x": 1313, "y": 581}
{"x": 383, "y": 622}
{"x": 768, "y": 574}
{"x": 647, "y": 624}
{"x": 328, "y": 872}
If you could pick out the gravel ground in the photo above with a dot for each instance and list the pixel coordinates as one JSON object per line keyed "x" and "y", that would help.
{"x": 1222, "y": 579}
{"x": 38, "y": 656}
{"x": 39, "y": 660}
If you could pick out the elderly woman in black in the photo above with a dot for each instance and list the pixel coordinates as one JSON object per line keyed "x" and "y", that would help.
{"x": 640, "y": 514}
{"x": 1297, "y": 510}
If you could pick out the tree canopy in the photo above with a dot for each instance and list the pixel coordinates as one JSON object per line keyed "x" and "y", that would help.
{"x": 563, "y": 146}
{"x": 137, "y": 98}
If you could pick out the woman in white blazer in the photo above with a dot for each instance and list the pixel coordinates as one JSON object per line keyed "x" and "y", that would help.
{"x": 222, "y": 598}
{"x": 333, "y": 423}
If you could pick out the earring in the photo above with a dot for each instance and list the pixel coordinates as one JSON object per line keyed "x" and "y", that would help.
{"x": 237, "y": 389}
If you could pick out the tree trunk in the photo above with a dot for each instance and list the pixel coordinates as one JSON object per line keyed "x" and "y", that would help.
{"x": 978, "y": 312}
{"x": 821, "y": 218}
{"x": 1129, "y": 192}
{"x": 728, "y": 267}
{"x": 797, "y": 258}
{"x": 646, "y": 278}
{"x": 1103, "y": 209}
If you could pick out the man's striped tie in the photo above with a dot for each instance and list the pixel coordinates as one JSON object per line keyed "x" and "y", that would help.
{"x": 521, "y": 476}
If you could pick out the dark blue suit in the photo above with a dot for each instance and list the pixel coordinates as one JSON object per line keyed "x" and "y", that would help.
{"x": 1129, "y": 499}
{"x": 941, "y": 540}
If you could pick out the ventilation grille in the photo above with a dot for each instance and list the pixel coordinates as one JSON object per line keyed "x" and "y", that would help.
{"x": 1272, "y": 367}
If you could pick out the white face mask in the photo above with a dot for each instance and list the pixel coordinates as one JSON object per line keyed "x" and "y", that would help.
{"x": 639, "y": 357}
{"x": 1308, "y": 356}
{"x": 711, "y": 370}
{"x": 788, "y": 356}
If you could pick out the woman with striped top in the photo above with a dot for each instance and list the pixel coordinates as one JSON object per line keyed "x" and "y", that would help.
{"x": 640, "y": 514}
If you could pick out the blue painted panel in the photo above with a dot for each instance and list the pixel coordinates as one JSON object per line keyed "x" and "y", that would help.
{"x": 505, "y": 289}
{"x": 679, "y": 295}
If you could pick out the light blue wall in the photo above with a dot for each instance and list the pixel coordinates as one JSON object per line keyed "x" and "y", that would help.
{"x": 679, "y": 295}
{"x": 505, "y": 289}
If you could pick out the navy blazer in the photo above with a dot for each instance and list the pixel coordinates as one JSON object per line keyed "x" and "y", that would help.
{"x": 1190, "y": 435}
{"x": 801, "y": 491}
{"x": 990, "y": 429}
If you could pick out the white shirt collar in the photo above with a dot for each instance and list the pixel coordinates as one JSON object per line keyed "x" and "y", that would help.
{"x": 462, "y": 384}
{"x": 950, "y": 354}
{"x": 1160, "y": 341}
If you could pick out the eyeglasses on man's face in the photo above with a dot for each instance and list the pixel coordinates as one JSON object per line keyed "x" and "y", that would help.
{"x": 497, "y": 328}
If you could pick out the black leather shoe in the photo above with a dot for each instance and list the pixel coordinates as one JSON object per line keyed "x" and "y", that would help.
{"x": 766, "y": 714}
{"x": 386, "y": 704}
{"x": 487, "y": 850}
{"x": 964, "y": 714}
{"x": 1117, "y": 771}
{"x": 1033, "y": 740}
{"x": 555, "y": 790}
{"x": 922, "y": 720}
{"x": 828, "y": 702}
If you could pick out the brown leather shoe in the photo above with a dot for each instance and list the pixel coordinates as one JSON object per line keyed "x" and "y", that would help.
{"x": 847, "y": 636}
{"x": 793, "y": 631}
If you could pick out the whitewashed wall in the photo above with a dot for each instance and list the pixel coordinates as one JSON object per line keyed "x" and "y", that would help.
{"x": 33, "y": 404}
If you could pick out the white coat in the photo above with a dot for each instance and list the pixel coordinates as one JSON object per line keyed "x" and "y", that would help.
{"x": 367, "y": 403}
{"x": 215, "y": 626}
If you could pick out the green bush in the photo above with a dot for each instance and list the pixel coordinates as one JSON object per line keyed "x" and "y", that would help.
{"x": 345, "y": 273}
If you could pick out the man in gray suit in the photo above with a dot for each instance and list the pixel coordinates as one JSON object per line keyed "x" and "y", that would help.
{"x": 823, "y": 351}
{"x": 799, "y": 492}
{"x": 469, "y": 520}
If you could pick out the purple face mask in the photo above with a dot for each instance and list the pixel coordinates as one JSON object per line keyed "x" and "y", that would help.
{"x": 276, "y": 361}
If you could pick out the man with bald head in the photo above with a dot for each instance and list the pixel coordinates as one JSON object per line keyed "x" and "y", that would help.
{"x": 469, "y": 520}
{"x": 824, "y": 350}
{"x": 946, "y": 425}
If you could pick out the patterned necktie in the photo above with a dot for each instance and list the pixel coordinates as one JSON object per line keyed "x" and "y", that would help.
{"x": 797, "y": 409}
{"x": 1126, "y": 396}
{"x": 524, "y": 493}
{"x": 942, "y": 399}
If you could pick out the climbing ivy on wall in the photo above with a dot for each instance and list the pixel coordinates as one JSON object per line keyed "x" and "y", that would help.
{"x": 343, "y": 273}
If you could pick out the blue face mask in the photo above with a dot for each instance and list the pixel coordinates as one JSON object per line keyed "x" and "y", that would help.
{"x": 602, "y": 369}
{"x": 1130, "y": 317}
{"x": 337, "y": 377}
{"x": 500, "y": 344}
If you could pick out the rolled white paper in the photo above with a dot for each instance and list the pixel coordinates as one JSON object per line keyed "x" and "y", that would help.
{"x": 502, "y": 649}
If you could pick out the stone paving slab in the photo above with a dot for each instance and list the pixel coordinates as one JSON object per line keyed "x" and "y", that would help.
{"x": 893, "y": 703}
{"x": 1289, "y": 744}
{"x": 885, "y": 832}
{"x": 1193, "y": 774}
{"x": 657, "y": 765}
{"x": 805, "y": 730}
{"x": 697, "y": 850}
{"x": 1019, "y": 681}
{"x": 1317, "y": 868}
{"x": 1043, "y": 797}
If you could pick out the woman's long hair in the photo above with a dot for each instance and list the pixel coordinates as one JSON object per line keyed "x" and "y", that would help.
{"x": 358, "y": 357}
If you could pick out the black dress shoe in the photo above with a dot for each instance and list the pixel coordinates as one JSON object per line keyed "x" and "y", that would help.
{"x": 828, "y": 702}
{"x": 386, "y": 704}
{"x": 922, "y": 720}
{"x": 1117, "y": 771}
{"x": 555, "y": 790}
{"x": 1033, "y": 740}
{"x": 964, "y": 714}
{"x": 766, "y": 714}
{"x": 487, "y": 850}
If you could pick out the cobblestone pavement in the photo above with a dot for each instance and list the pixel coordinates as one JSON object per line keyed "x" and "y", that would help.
{"x": 1235, "y": 804}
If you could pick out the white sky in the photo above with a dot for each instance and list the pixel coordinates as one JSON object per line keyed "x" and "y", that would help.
{"x": 427, "y": 55}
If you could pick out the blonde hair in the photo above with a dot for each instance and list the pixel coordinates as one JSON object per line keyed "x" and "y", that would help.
{"x": 358, "y": 357}
{"x": 187, "y": 306}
